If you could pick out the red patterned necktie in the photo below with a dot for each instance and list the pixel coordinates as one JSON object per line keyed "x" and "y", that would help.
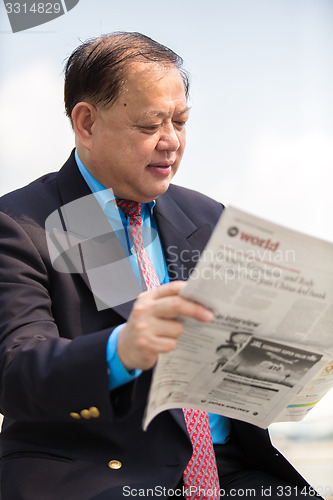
{"x": 133, "y": 210}
{"x": 200, "y": 476}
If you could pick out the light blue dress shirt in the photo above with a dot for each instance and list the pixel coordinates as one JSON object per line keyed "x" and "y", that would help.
{"x": 118, "y": 374}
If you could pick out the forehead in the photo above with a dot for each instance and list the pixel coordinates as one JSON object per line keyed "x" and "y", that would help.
{"x": 150, "y": 83}
{"x": 139, "y": 71}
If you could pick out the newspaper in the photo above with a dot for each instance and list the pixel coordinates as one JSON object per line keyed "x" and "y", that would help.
{"x": 267, "y": 355}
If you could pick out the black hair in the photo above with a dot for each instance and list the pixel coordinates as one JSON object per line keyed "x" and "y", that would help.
{"x": 97, "y": 70}
{"x": 228, "y": 346}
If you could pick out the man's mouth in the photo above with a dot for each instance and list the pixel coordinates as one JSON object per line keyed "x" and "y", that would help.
{"x": 163, "y": 168}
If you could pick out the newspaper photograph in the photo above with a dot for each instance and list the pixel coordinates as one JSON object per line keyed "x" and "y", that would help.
{"x": 267, "y": 354}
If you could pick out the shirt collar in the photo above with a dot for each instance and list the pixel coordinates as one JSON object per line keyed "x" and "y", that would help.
{"x": 102, "y": 194}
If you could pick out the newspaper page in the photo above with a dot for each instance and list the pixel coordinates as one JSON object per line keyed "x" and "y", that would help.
{"x": 267, "y": 355}
{"x": 309, "y": 396}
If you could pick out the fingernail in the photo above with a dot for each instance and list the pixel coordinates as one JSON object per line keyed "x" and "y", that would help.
{"x": 208, "y": 315}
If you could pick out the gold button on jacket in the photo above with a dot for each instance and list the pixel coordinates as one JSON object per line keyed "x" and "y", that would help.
{"x": 92, "y": 412}
{"x": 85, "y": 414}
{"x": 114, "y": 464}
{"x": 75, "y": 415}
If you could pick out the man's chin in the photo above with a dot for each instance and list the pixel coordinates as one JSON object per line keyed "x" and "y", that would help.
{"x": 156, "y": 191}
{"x": 162, "y": 189}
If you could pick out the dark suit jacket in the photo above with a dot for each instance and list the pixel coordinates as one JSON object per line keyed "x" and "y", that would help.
{"x": 53, "y": 364}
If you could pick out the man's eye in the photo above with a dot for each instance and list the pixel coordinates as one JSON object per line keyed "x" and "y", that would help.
{"x": 180, "y": 124}
{"x": 150, "y": 128}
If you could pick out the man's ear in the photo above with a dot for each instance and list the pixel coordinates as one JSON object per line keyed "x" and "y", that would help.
{"x": 83, "y": 116}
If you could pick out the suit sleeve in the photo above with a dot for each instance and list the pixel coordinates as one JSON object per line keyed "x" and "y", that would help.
{"x": 43, "y": 376}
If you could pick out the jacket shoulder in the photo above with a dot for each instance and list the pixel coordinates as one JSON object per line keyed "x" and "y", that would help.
{"x": 192, "y": 202}
{"x": 33, "y": 201}
{"x": 39, "y": 198}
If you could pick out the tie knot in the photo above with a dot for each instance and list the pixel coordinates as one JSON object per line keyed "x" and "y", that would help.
{"x": 131, "y": 208}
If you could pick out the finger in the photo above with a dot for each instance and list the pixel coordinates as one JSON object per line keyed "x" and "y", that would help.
{"x": 172, "y": 288}
{"x": 174, "y": 306}
{"x": 167, "y": 328}
{"x": 142, "y": 351}
{"x": 164, "y": 344}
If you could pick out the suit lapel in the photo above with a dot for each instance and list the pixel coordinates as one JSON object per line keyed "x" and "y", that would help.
{"x": 87, "y": 245}
{"x": 182, "y": 240}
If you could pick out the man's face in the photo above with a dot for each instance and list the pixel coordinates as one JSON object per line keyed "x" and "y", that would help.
{"x": 239, "y": 337}
{"x": 137, "y": 143}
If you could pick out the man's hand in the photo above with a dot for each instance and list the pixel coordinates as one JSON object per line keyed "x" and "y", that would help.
{"x": 153, "y": 326}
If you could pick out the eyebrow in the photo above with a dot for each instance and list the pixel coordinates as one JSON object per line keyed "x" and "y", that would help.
{"x": 160, "y": 114}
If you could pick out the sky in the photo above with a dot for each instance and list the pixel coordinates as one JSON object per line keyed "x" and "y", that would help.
{"x": 260, "y": 134}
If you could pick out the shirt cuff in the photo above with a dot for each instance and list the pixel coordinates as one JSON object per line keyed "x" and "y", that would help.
{"x": 118, "y": 375}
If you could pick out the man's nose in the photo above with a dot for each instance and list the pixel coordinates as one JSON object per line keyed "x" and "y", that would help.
{"x": 169, "y": 139}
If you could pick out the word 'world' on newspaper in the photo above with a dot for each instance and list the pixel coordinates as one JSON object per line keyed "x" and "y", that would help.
{"x": 267, "y": 356}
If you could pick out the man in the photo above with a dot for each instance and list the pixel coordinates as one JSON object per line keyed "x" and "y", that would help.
{"x": 224, "y": 352}
{"x": 76, "y": 364}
